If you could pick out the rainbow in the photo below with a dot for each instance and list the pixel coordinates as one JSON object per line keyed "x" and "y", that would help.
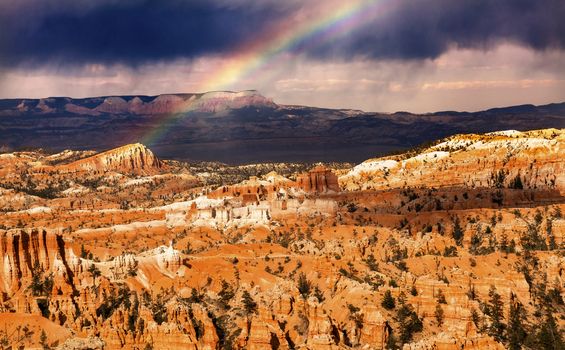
{"x": 276, "y": 47}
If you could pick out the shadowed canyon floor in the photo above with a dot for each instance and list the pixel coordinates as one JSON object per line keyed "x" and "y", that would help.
{"x": 456, "y": 245}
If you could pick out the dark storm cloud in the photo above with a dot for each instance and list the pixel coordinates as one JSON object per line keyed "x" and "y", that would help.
{"x": 139, "y": 31}
{"x": 128, "y": 31}
{"x": 419, "y": 29}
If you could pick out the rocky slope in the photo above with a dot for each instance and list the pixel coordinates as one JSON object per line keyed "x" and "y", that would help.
{"x": 136, "y": 159}
{"x": 439, "y": 248}
{"x": 243, "y": 127}
{"x": 527, "y": 159}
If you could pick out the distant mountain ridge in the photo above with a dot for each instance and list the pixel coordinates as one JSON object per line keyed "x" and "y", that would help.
{"x": 244, "y": 127}
{"x": 135, "y": 104}
{"x": 518, "y": 109}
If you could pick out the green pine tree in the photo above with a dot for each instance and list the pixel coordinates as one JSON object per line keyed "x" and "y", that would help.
{"x": 495, "y": 312}
{"x": 249, "y": 304}
{"x": 516, "y": 332}
{"x": 549, "y": 336}
{"x": 388, "y": 301}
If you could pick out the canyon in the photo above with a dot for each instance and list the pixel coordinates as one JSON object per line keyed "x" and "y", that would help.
{"x": 457, "y": 244}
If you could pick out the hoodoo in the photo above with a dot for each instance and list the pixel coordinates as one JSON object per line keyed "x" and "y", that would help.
{"x": 319, "y": 179}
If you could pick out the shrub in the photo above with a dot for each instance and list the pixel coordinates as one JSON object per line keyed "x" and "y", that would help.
{"x": 318, "y": 294}
{"x": 450, "y": 251}
{"x": 441, "y": 297}
{"x": 159, "y": 310}
{"x": 372, "y": 263}
{"x": 457, "y": 231}
{"x": 226, "y": 294}
{"x": 304, "y": 286}
{"x": 40, "y": 285}
{"x": 516, "y": 183}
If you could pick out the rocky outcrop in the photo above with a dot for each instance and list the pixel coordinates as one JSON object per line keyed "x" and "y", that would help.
{"x": 129, "y": 159}
{"x": 495, "y": 160}
{"x": 23, "y": 251}
{"x": 374, "y": 332}
{"x": 91, "y": 343}
{"x": 319, "y": 180}
{"x": 446, "y": 341}
{"x": 39, "y": 275}
{"x": 321, "y": 329}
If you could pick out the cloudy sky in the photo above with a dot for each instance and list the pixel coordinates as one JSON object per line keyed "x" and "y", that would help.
{"x": 375, "y": 55}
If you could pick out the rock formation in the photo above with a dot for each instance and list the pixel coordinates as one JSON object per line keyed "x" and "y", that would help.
{"x": 534, "y": 157}
{"x": 318, "y": 180}
{"x": 134, "y": 159}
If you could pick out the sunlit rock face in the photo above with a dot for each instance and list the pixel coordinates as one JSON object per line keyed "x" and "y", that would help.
{"x": 471, "y": 160}
{"x": 318, "y": 180}
{"x": 121, "y": 250}
{"x": 135, "y": 158}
